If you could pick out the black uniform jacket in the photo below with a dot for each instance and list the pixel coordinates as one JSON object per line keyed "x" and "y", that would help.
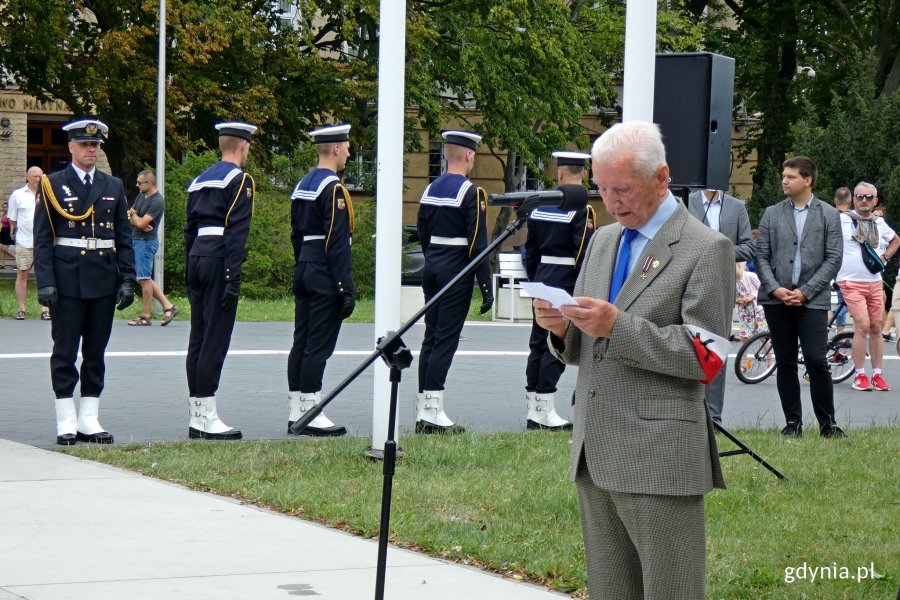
{"x": 322, "y": 225}
{"x": 221, "y": 197}
{"x": 556, "y": 243}
{"x": 65, "y": 210}
{"x": 452, "y": 208}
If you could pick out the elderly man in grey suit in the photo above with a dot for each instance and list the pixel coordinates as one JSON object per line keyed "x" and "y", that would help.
{"x": 727, "y": 215}
{"x": 652, "y": 292}
{"x": 799, "y": 251}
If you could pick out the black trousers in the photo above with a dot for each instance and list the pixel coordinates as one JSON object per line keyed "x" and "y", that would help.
{"x": 88, "y": 323}
{"x": 787, "y": 326}
{"x": 211, "y": 327}
{"x": 317, "y": 323}
{"x": 443, "y": 324}
{"x": 543, "y": 370}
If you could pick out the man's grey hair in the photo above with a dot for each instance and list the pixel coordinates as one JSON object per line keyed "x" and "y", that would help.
{"x": 868, "y": 185}
{"x": 638, "y": 139}
{"x": 149, "y": 175}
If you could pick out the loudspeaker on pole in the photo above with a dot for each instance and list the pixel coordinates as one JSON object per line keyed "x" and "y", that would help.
{"x": 693, "y": 100}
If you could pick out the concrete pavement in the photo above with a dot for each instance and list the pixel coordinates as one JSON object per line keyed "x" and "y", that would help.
{"x": 72, "y": 529}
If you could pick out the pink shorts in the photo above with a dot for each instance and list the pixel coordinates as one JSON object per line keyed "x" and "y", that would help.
{"x": 862, "y": 297}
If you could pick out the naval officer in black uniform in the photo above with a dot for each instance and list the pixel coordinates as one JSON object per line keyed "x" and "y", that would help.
{"x": 84, "y": 265}
{"x": 321, "y": 226}
{"x": 554, "y": 250}
{"x": 453, "y": 230}
{"x": 219, "y": 209}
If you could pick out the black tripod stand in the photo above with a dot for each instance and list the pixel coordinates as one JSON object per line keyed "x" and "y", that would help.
{"x": 744, "y": 449}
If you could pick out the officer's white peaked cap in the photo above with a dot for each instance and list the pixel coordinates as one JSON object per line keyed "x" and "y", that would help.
{"x": 86, "y": 130}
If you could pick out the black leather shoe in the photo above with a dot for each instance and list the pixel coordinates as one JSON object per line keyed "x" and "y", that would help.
{"x": 535, "y": 425}
{"x": 426, "y": 428}
{"x": 793, "y": 429}
{"x": 832, "y": 431}
{"x": 95, "y": 438}
{"x": 66, "y": 439}
{"x": 196, "y": 434}
{"x": 333, "y": 431}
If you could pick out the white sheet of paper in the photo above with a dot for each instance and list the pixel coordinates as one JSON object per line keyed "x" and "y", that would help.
{"x": 555, "y": 296}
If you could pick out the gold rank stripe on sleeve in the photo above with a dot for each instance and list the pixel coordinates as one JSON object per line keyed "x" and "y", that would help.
{"x": 50, "y": 199}
{"x": 590, "y": 217}
{"x": 334, "y": 199}
{"x": 480, "y": 195}
{"x": 238, "y": 195}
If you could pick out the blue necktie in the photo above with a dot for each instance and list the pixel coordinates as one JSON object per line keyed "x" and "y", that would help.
{"x": 621, "y": 272}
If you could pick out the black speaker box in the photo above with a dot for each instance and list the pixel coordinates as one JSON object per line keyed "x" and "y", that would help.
{"x": 692, "y": 105}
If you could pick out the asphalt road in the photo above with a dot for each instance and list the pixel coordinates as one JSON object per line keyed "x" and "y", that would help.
{"x": 146, "y": 394}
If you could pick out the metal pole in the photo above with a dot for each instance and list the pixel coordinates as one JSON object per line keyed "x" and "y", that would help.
{"x": 640, "y": 60}
{"x": 389, "y": 194}
{"x": 159, "y": 260}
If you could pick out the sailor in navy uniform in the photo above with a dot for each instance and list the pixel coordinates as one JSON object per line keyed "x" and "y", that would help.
{"x": 321, "y": 226}
{"x": 219, "y": 210}
{"x": 553, "y": 253}
{"x": 84, "y": 265}
{"x": 452, "y": 230}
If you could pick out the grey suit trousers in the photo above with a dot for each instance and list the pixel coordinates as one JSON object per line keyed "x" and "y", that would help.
{"x": 642, "y": 546}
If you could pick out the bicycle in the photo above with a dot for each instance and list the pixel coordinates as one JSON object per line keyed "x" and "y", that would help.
{"x": 755, "y": 360}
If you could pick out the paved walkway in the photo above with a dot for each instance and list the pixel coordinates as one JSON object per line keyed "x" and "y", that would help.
{"x": 72, "y": 529}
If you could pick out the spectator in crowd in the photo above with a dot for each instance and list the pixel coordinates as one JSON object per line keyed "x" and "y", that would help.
{"x": 842, "y": 203}
{"x": 890, "y": 273}
{"x": 5, "y": 237}
{"x": 861, "y": 283}
{"x": 726, "y": 214}
{"x": 21, "y": 221}
{"x": 751, "y": 318}
{"x": 643, "y": 448}
{"x": 84, "y": 266}
{"x": 219, "y": 211}
{"x": 798, "y": 254}
{"x": 144, "y": 216}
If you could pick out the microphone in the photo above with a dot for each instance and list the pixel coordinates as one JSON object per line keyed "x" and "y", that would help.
{"x": 566, "y": 197}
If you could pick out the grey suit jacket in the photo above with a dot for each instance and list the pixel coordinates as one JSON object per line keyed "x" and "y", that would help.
{"x": 640, "y": 418}
{"x": 734, "y": 223}
{"x": 821, "y": 252}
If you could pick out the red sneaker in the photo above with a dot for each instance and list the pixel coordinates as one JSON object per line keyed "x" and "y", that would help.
{"x": 879, "y": 384}
{"x": 861, "y": 383}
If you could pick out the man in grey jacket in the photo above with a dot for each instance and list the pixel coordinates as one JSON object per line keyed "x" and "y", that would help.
{"x": 727, "y": 215}
{"x": 798, "y": 253}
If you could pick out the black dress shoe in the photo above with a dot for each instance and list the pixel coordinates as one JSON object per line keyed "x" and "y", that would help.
{"x": 66, "y": 439}
{"x": 535, "y": 425}
{"x": 426, "y": 428}
{"x": 832, "y": 431}
{"x": 333, "y": 431}
{"x": 793, "y": 429}
{"x": 102, "y": 437}
{"x": 196, "y": 434}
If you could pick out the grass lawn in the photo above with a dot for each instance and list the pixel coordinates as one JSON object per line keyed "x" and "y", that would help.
{"x": 249, "y": 309}
{"x": 503, "y": 501}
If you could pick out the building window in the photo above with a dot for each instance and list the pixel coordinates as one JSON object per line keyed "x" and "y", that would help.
{"x": 360, "y": 171}
{"x": 437, "y": 164}
{"x": 530, "y": 180}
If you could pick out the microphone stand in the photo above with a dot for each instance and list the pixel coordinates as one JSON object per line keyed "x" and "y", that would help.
{"x": 398, "y": 357}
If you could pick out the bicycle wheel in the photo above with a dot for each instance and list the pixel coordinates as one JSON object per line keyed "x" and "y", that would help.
{"x": 838, "y": 356}
{"x": 755, "y": 360}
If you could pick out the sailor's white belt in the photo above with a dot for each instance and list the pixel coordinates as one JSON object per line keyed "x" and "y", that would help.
{"x": 558, "y": 260}
{"x": 211, "y": 230}
{"x": 89, "y": 243}
{"x": 312, "y": 238}
{"x": 447, "y": 241}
